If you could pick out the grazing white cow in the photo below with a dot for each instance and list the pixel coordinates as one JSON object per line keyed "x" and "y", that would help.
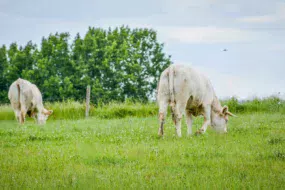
{"x": 26, "y": 98}
{"x": 188, "y": 91}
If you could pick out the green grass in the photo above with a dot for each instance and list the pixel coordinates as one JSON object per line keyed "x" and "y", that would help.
{"x": 127, "y": 154}
{"x": 76, "y": 110}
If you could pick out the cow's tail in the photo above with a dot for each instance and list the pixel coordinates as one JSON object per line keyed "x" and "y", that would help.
{"x": 171, "y": 85}
{"x": 19, "y": 94}
{"x": 21, "y": 116}
{"x": 172, "y": 91}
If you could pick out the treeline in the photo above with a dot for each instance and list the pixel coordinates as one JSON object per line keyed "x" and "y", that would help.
{"x": 118, "y": 64}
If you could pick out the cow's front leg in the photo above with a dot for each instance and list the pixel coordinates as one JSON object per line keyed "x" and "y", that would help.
{"x": 207, "y": 120}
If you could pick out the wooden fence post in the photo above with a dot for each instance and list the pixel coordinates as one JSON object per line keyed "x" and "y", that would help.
{"x": 87, "y": 101}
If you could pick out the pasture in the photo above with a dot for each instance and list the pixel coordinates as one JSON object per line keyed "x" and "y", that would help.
{"x": 126, "y": 153}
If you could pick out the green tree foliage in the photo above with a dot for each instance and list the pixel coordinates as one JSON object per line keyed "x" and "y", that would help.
{"x": 3, "y": 74}
{"x": 119, "y": 64}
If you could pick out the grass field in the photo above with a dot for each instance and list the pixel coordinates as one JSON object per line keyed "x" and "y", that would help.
{"x": 127, "y": 154}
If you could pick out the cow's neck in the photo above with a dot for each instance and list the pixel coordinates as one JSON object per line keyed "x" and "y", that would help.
{"x": 216, "y": 105}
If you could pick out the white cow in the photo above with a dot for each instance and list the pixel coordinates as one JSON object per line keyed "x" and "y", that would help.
{"x": 26, "y": 98}
{"x": 188, "y": 91}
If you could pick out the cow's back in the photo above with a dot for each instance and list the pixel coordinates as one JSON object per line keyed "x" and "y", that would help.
{"x": 189, "y": 83}
{"x": 21, "y": 91}
{"x": 37, "y": 96}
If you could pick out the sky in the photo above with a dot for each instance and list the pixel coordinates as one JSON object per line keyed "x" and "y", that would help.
{"x": 194, "y": 32}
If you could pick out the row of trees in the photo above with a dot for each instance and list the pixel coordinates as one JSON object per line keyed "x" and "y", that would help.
{"x": 118, "y": 64}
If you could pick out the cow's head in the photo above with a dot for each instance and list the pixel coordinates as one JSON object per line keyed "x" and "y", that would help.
{"x": 43, "y": 116}
{"x": 220, "y": 119}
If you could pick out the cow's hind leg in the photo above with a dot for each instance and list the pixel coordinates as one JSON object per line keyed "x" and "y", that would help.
{"x": 23, "y": 114}
{"x": 22, "y": 117}
{"x": 189, "y": 121}
{"x": 179, "y": 109}
{"x": 162, "y": 115}
{"x": 17, "y": 111}
{"x": 18, "y": 115}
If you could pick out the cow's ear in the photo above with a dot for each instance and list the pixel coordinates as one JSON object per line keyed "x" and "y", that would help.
{"x": 225, "y": 110}
{"x": 47, "y": 112}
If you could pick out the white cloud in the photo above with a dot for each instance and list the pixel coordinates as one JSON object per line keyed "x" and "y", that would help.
{"x": 179, "y": 6}
{"x": 277, "y": 47}
{"x": 190, "y": 35}
{"x": 258, "y": 19}
{"x": 207, "y": 35}
{"x": 279, "y": 15}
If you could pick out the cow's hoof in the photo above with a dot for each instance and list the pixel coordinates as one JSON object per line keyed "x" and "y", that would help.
{"x": 160, "y": 137}
{"x": 198, "y": 133}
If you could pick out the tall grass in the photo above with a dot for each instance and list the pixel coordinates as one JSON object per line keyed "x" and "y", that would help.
{"x": 76, "y": 110}
{"x": 271, "y": 104}
{"x": 6, "y": 112}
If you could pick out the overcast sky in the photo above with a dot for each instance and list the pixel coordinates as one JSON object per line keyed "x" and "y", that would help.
{"x": 194, "y": 32}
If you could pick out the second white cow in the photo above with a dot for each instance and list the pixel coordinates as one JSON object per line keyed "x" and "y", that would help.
{"x": 188, "y": 91}
{"x": 26, "y": 98}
